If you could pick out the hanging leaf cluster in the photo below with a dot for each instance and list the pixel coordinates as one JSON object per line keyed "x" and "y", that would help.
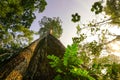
{"x": 97, "y": 7}
{"x": 75, "y": 17}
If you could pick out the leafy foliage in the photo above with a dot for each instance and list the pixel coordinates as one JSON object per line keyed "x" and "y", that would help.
{"x": 77, "y": 64}
{"x": 50, "y": 24}
{"x": 15, "y": 13}
{"x": 97, "y": 7}
{"x": 75, "y": 17}
{"x": 112, "y": 9}
{"x": 82, "y": 60}
{"x": 16, "y": 18}
{"x": 69, "y": 67}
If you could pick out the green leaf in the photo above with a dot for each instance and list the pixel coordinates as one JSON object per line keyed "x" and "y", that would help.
{"x": 97, "y": 7}
{"x": 75, "y": 17}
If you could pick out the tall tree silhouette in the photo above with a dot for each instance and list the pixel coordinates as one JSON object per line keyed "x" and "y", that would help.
{"x": 50, "y": 25}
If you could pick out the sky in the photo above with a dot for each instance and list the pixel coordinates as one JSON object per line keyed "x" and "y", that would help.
{"x": 64, "y": 9}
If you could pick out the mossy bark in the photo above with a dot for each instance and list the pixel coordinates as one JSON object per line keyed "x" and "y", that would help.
{"x": 39, "y": 68}
{"x": 32, "y": 63}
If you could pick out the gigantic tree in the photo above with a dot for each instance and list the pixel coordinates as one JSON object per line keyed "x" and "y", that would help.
{"x": 52, "y": 25}
{"x": 16, "y": 17}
